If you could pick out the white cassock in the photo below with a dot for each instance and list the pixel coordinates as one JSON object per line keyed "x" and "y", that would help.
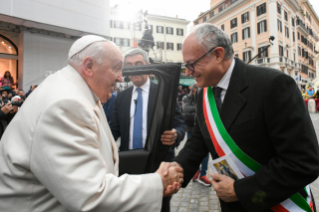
{"x": 58, "y": 154}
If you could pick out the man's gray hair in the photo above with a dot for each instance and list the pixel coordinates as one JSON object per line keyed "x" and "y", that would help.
{"x": 194, "y": 86}
{"x": 210, "y": 36}
{"x": 96, "y": 50}
{"x": 137, "y": 51}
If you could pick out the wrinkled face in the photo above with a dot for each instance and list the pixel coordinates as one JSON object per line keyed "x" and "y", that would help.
{"x": 205, "y": 71}
{"x": 106, "y": 75}
{"x": 136, "y": 60}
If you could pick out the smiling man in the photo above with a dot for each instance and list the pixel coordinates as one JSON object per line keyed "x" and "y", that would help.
{"x": 240, "y": 114}
{"x": 58, "y": 153}
{"x": 133, "y": 110}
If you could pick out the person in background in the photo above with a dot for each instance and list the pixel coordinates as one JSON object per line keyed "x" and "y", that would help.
{"x": 32, "y": 87}
{"x": 189, "y": 118}
{"x": 109, "y": 105}
{"x": 317, "y": 93}
{"x": 303, "y": 93}
{"x": 7, "y": 80}
{"x": 310, "y": 93}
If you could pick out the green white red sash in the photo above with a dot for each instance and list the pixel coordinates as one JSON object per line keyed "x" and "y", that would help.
{"x": 224, "y": 145}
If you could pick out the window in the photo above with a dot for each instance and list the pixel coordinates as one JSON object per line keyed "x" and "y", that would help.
{"x": 138, "y": 27}
{"x": 246, "y": 56}
{"x": 151, "y": 28}
{"x": 293, "y": 36}
{"x": 299, "y": 51}
{"x": 117, "y": 41}
{"x": 298, "y": 36}
{"x": 233, "y": 23}
{"x": 261, "y": 9}
{"x": 223, "y": 27}
{"x": 170, "y": 46}
{"x": 286, "y": 15}
{"x": 281, "y": 51}
{"x": 279, "y": 26}
{"x": 278, "y": 8}
{"x": 211, "y": 14}
{"x": 126, "y": 42}
{"x": 303, "y": 53}
{"x": 118, "y": 24}
{"x": 246, "y": 33}
{"x": 304, "y": 69}
{"x": 179, "y": 47}
{"x": 294, "y": 56}
{"x": 169, "y": 30}
{"x": 265, "y": 53}
{"x": 287, "y": 53}
{"x": 286, "y": 32}
{"x": 160, "y": 45}
{"x": 126, "y": 25}
{"x": 180, "y": 32}
{"x": 196, "y": 22}
{"x": 306, "y": 54}
{"x": 204, "y": 19}
{"x": 159, "y": 29}
{"x": 293, "y": 22}
{"x": 234, "y": 37}
{"x": 262, "y": 27}
{"x": 245, "y": 17}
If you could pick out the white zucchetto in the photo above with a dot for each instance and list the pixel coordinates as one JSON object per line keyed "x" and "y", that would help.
{"x": 82, "y": 43}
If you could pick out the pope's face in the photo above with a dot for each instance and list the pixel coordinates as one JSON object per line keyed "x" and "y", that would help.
{"x": 136, "y": 60}
{"x": 107, "y": 74}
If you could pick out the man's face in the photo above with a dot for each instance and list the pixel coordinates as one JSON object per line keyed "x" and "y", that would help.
{"x": 4, "y": 94}
{"x": 136, "y": 60}
{"x": 194, "y": 91}
{"x": 205, "y": 71}
{"x": 21, "y": 93}
{"x": 107, "y": 74}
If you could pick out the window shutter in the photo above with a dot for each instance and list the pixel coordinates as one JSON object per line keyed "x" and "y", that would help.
{"x": 236, "y": 37}
{"x": 265, "y": 22}
{"x": 247, "y": 16}
{"x": 249, "y": 55}
{"x": 248, "y": 32}
{"x": 265, "y": 8}
{"x": 258, "y": 11}
{"x": 242, "y": 18}
{"x": 244, "y": 57}
{"x": 258, "y": 27}
{"x": 243, "y": 35}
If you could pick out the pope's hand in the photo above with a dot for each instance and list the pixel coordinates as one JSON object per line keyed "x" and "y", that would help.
{"x": 172, "y": 177}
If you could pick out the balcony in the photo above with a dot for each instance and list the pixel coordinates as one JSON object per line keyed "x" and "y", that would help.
{"x": 263, "y": 61}
{"x": 301, "y": 26}
{"x": 226, "y": 4}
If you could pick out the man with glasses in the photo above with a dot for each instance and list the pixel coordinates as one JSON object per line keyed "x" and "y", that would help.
{"x": 133, "y": 109}
{"x": 240, "y": 115}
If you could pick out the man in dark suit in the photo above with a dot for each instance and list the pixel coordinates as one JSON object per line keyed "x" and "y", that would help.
{"x": 132, "y": 112}
{"x": 272, "y": 128}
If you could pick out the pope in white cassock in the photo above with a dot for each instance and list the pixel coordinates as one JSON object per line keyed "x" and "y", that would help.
{"x": 58, "y": 153}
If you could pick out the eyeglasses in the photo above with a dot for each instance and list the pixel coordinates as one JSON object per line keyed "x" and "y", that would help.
{"x": 190, "y": 66}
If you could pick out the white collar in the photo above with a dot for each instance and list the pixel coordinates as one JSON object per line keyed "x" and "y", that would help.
{"x": 145, "y": 87}
{"x": 224, "y": 82}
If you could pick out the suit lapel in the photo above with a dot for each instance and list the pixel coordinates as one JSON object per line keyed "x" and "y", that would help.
{"x": 234, "y": 101}
{"x": 151, "y": 102}
{"x": 126, "y": 114}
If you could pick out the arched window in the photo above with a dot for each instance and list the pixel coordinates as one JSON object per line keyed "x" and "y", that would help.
{"x": 7, "y": 47}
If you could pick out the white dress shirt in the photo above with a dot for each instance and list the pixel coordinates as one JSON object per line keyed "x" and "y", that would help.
{"x": 145, "y": 93}
{"x": 224, "y": 82}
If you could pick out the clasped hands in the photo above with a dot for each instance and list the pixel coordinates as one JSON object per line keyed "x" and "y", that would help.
{"x": 172, "y": 177}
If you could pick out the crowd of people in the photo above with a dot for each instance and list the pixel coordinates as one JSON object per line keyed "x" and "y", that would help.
{"x": 310, "y": 93}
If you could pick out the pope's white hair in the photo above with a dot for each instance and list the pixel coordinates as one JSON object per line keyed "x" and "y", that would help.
{"x": 210, "y": 36}
{"x": 95, "y": 50}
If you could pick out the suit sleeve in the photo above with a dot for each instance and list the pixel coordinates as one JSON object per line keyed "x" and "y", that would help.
{"x": 293, "y": 138}
{"x": 194, "y": 151}
{"x": 115, "y": 122}
{"x": 66, "y": 158}
{"x": 179, "y": 125}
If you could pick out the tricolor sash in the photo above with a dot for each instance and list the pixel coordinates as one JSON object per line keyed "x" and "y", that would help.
{"x": 224, "y": 145}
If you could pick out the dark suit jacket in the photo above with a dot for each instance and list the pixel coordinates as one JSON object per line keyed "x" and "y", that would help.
{"x": 120, "y": 119}
{"x": 108, "y": 106}
{"x": 264, "y": 113}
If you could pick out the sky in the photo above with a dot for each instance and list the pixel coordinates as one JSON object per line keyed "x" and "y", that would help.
{"x": 185, "y": 9}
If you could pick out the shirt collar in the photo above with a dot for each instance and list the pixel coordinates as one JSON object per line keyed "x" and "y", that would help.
{"x": 224, "y": 82}
{"x": 145, "y": 87}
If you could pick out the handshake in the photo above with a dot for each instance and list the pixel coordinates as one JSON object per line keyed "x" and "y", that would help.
{"x": 172, "y": 177}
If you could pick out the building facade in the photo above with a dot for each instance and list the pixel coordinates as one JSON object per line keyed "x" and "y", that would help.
{"x": 35, "y": 35}
{"x": 251, "y": 24}
{"x": 168, "y": 34}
